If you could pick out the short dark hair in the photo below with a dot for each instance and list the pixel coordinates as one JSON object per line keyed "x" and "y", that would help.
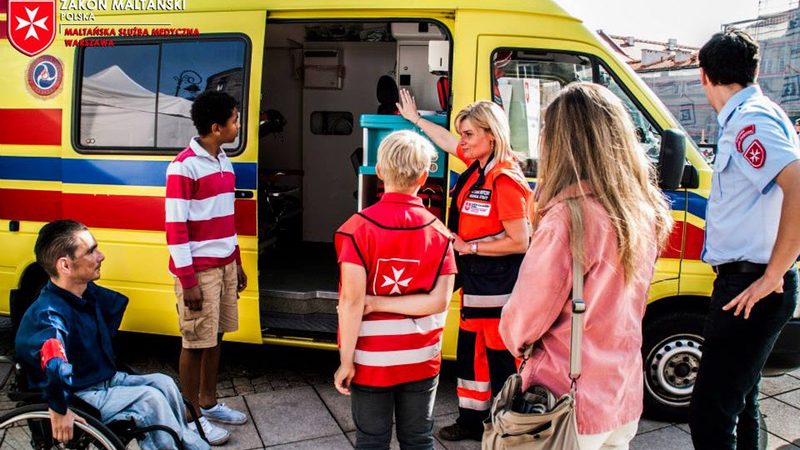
{"x": 730, "y": 57}
{"x": 56, "y": 240}
{"x": 211, "y": 107}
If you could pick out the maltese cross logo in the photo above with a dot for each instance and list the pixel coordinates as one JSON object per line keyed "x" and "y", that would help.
{"x": 31, "y": 25}
{"x": 396, "y": 281}
{"x": 756, "y": 154}
{"x": 393, "y": 276}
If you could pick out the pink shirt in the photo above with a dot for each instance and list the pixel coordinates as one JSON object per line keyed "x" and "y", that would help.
{"x": 610, "y": 386}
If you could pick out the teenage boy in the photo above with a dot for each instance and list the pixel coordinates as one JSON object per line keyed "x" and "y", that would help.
{"x": 752, "y": 242}
{"x": 204, "y": 255}
{"x": 397, "y": 275}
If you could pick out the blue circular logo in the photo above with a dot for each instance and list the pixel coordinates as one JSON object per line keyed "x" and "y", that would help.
{"x": 45, "y": 74}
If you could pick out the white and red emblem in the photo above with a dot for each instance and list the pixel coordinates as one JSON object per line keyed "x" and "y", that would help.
{"x": 393, "y": 275}
{"x": 45, "y": 74}
{"x": 743, "y": 134}
{"x": 756, "y": 154}
{"x": 31, "y": 25}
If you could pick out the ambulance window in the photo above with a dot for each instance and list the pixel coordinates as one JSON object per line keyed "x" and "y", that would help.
{"x": 119, "y": 109}
{"x": 524, "y": 83}
{"x": 117, "y": 101}
{"x": 647, "y": 134}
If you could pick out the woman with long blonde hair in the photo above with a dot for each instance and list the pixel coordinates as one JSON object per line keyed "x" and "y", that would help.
{"x": 592, "y": 173}
{"x": 488, "y": 216}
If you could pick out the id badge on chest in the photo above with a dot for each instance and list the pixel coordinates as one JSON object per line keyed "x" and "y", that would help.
{"x": 478, "y": 203}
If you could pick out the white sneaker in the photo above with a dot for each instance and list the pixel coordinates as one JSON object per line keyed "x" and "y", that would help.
{"x": 214, "y": 434}
{"x": 224, "y": 414}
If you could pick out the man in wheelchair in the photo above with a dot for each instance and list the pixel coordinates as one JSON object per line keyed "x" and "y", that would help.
{"x": 64, "y": 346}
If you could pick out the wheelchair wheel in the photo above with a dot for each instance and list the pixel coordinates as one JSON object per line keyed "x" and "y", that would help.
{"x": 29, "y": 427}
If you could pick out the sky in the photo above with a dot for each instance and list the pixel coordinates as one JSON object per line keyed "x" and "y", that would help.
{"x": 692, "y": 22}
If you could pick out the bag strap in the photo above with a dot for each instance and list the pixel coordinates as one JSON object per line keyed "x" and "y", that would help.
{"x": 578, "y": 305}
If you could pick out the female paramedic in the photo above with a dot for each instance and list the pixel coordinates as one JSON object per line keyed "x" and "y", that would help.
{"x": 489, "y": 217}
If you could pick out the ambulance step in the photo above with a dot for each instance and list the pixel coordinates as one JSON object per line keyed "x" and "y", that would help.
{"x": 317, "y": 325}
{"x": 299, "y": 295}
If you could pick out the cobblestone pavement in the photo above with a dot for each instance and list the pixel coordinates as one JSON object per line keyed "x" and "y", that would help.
{"x": 290, "y": 398}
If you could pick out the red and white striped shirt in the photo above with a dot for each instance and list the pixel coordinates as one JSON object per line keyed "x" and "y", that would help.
{"x": 201, "y": 230}
{"x": 404, "y": 249}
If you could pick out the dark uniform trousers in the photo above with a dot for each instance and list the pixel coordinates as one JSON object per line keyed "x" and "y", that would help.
{"x": 724, "y": 410}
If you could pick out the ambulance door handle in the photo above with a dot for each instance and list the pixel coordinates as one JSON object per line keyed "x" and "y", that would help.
{"x": 243, "y": 194}
{"x": 13, "y": 225}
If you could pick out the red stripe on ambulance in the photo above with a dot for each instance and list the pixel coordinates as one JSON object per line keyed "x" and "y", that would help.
{"x": 123, "y": 212}
{"x": 30, "y": 126}
{"x": 25, "y": 204}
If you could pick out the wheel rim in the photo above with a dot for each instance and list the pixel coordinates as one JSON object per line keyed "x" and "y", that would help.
{"x": 671, "y": 369}
{"x": 16, "y": 432}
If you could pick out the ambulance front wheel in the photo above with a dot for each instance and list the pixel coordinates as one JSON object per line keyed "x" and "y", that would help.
{"x": 671, "y": 350}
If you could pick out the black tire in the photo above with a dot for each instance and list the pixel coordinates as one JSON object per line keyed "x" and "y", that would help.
{"x": 671, "y": 350}
{"x": 29, "y": 426}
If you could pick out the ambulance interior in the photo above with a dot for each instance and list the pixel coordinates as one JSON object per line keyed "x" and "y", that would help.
{"x": 321, "y": 82}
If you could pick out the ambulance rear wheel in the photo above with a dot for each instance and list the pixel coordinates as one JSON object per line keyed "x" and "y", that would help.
{"x": 671, "y": 351}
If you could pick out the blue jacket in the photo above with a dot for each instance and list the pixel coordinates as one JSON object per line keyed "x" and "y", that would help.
{"x": 84, "y": 326}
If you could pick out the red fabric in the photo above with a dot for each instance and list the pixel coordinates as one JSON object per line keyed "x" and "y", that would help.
{"x": 404, "y": 249}
{"x": 52, "y": 348}
{"x": 509, "y": 196}
{"x": 199, "y": 189}
{"x": 443, "y": 90}
{"x": 200, "y": 230}
{"x": 203, "y": 187}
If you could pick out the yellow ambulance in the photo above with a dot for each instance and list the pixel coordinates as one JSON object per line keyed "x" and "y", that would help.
{"x": 90, "y": 123}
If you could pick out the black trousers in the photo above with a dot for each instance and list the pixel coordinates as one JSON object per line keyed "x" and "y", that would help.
{"x": 724, "y": 410}
{"x": 410, "y": 404}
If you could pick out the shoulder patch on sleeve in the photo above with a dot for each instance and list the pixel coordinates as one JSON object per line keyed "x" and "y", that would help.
{"x": 52, "y": 348}
{"x": 756, "y": 154}
{"x": 743, "y": 134}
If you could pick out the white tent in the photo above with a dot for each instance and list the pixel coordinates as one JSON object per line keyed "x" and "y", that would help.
{"x": 117, "y": 111}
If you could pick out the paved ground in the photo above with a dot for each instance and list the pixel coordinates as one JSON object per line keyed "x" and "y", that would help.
{"x": 289, "y": 396}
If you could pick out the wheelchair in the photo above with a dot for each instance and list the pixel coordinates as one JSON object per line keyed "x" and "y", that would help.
{"x": 28, "y": 425}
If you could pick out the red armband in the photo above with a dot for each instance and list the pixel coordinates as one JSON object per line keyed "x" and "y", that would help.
{"x": 52, "y": 348}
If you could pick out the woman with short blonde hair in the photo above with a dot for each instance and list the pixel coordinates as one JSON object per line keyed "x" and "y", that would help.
{"x": 591, "y": 173}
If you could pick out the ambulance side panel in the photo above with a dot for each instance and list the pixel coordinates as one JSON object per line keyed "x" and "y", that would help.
{"x": 119, "y": 192}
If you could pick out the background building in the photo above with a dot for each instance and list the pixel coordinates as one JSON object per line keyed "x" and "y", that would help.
{"x": 672, "y": 70}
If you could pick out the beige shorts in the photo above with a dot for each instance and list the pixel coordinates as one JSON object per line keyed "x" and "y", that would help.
{"x": 220, "y": 313}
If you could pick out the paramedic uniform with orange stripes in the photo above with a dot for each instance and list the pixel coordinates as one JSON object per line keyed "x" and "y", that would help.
{"x": 482, "y": 199}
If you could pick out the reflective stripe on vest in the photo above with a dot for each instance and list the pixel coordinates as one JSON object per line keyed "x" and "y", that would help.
{"x": 396, "y": 327}
{"x": 397, "y": 357}
{"x": 485, "y": 301}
